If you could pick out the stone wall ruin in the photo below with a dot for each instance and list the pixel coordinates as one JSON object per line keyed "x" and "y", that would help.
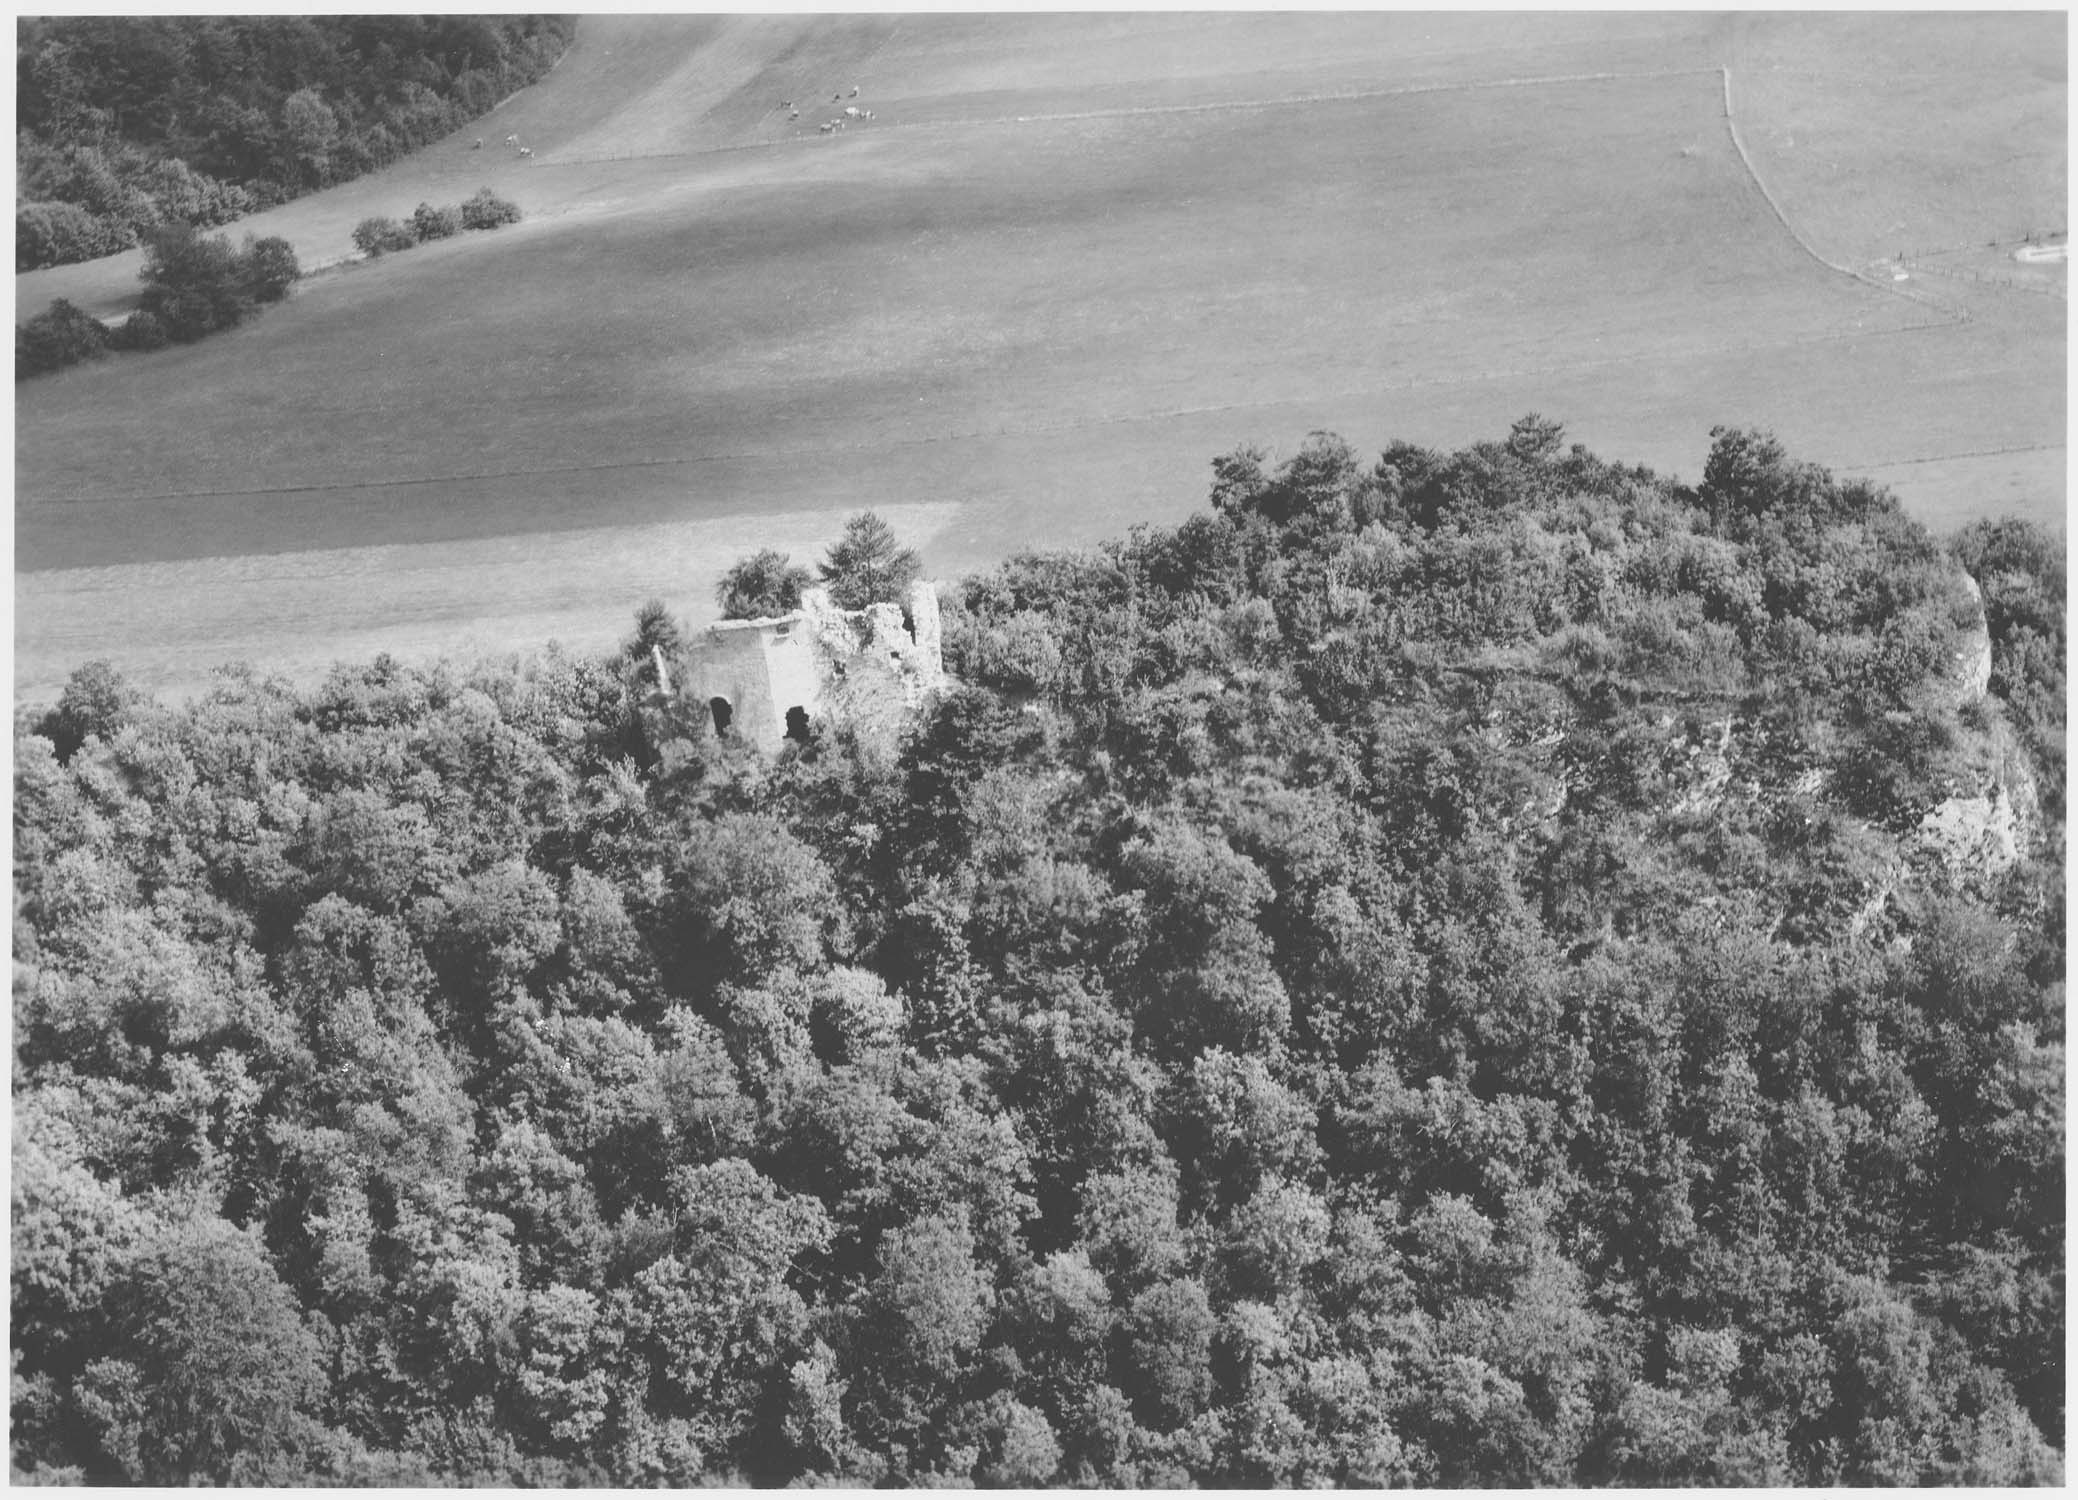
{"x": 771, "y": 680}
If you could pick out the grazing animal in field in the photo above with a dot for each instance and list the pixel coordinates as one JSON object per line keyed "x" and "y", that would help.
{"x": 479, "y": 144}
{"x": 851, "y": 111}
{"x": 526, "y": 151}
{"x": 786, "y": 104}
{"x": 512, "y": 140}
{"x": 836, "y": 98}
{"x": 793, "y": 114}
{"x": 855, "y": 91}
{"x": 826, "y": 127}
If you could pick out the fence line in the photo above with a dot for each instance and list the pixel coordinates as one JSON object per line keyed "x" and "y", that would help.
{"x": 2012, "y": 240}
{"x": 1989, "y": 278}
{"x": 1934, "y": 263}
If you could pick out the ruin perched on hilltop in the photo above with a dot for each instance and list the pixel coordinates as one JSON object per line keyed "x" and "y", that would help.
{"x": 770, "y": 680}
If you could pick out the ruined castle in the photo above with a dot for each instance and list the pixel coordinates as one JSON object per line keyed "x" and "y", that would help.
{"x": 776, "y": 679}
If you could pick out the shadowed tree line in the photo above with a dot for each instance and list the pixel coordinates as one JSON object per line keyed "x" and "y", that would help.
{"x": 1379, "y": 983}
{"x": 128, "y": 124}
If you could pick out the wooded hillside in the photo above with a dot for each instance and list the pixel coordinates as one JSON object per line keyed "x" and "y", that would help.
{"x": 128, "y": 123}
{"x": 1432, "y": 971}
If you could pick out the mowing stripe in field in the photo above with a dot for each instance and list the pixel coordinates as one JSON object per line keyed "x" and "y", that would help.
{"x": 1127, "y": 112}
{"x": 1007, "y": 430}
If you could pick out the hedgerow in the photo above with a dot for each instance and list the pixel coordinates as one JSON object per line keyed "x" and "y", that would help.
{"x": 483, "y": 210}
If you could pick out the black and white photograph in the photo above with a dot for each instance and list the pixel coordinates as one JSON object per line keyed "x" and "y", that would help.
{"x": 1088, "y": 749}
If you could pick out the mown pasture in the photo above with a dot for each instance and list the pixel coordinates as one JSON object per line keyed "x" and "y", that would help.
{"x": 1069, "y": 260}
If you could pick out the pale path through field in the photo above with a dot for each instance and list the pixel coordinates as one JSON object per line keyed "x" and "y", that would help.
{"x": 1069, "y": 260}
{"x": 506, "y": 596}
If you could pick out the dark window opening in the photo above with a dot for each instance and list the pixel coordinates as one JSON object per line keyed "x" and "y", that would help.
{"x": 908, "y": 619}
{"x": 722, "y": 712}
{"x": 797, "y": 724}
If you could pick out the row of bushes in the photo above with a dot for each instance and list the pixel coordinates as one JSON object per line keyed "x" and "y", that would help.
{"x": 194, "y": 286}
{"x": 484, "y": 210}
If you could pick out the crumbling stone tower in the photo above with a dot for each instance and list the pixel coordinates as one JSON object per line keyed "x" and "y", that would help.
{"x": 775, "y": 679}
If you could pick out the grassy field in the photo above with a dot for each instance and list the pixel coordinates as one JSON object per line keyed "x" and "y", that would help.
{"x": 1882, "y": 133}
{"x": 1071, "y": 259}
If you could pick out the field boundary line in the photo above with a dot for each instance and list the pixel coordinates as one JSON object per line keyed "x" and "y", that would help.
{"x": 1129, "y": 111}
{"x": 1338, "y": 96}
{"x": 1996, "y": 242}
{"x": 988, "y": 434}
{"x": 1731, "y": 125}
{"x": 1942, "y": 458}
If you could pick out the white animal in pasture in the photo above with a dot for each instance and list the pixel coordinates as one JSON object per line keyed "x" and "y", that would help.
{"x": 526, "y": 151}
{"x": 512, "y": 140}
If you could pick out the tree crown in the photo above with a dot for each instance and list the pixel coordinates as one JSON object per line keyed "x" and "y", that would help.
{"x": 868, "y": 565}
{"x": 766, "y": 583}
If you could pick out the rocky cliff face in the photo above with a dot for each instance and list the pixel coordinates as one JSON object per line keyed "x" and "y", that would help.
{"x": 1990, "y": 821}
{"x": 1969, "y": 678}
{"x": 1714, "y": 774}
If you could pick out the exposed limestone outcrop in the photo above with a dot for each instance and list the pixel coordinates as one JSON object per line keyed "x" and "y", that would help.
{"x": 1987, "y": 830}
{"x": 1707, "y": 773}
{"x": 1873, "y": 908}
{"x": 1976, "y": 834}
{"x": 1969, "y": 678}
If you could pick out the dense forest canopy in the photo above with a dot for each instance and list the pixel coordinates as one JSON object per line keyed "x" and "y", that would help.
{"x": 125, "y": 124}
{"x": 1434, "y": 970}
